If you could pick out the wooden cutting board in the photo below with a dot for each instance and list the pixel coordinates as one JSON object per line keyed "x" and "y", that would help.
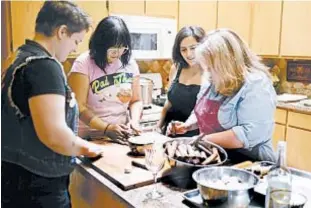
{"x": 114, "y": 162}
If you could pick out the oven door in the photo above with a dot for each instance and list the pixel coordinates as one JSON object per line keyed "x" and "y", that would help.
{"x": 146, "y": 43}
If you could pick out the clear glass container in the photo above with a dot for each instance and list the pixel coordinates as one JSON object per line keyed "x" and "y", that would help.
{"x": 279, "y": 177}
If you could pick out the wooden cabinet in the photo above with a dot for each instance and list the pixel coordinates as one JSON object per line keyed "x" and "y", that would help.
{"x": 6, "y": 35}
{"x": 200, "y": 13}
{"x": 235, "y": 15}
{"x": 87, "y": 192}
{"x": 299, "y": 120}
{"x": 97, "y": 11}
{"x": 278, "y": 134}
{"x": 164, "y": 8}
{"x": 298, "y": 148}
{"x": 295, "y": 129}
{"x": 128, "y": 7}
{"x": 280, "y": 116}
{"x": 23, "y": 19}
{"x": 24, "y": 14}
{"x": 266, "y": 24}
{"x": 296, "y": 29}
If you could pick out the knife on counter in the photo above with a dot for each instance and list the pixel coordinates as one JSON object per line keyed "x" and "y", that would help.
{"x": 139, "y": 165}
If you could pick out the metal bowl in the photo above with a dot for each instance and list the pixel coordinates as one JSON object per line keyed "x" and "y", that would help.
{"x": 180, "y": 174}
{"x": 211, "y": 183}
{"x": 177, "y": 163}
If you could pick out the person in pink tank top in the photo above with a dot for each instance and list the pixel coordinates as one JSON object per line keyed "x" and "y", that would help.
{"x": 106, "y": 82}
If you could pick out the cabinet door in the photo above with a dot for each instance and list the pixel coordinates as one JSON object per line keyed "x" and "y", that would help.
{"x": 23, "y": 17}
{"x": 299, "y": 120}
{"x": 200, "y": 13}
{"x": 266, "y": 24}
{"x": 278, "y": 135}
{"x": 298, "y": 148}
{"x": 235, "y": 15}
{"x": 127, "y": 7}
{"x": 280, "y": 116}
{"x": 97, "y": 11}
{"x": 164, "y": 8}
{"x": 296, "y": 29}
{"x": 6, "y": 34}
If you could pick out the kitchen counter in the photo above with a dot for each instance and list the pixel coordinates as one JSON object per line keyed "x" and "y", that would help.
{"x": 91, "y": 189}
{"x": 295, "y": 106}
{"x": 119, "y": 198}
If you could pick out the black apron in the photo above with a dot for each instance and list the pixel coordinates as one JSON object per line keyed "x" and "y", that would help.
{"x": 183, "y": 99}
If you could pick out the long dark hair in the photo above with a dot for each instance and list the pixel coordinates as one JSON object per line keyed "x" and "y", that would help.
{"x": 188, "y": 31}
{"x": 110, "y": 32}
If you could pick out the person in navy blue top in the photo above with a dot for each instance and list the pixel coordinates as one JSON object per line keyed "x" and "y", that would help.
{"x": 184, "y": 79}
{"x": 39, "y": 113}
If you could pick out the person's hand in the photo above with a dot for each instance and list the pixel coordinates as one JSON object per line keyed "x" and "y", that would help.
{"x": 160, "y": 128}
{"x": 135, "y": 127}
{"x": 196, "y": 139}
{"x": 176, "y": 127}
{"x": 118, "y": 132}
{"x": 93, "y": 150}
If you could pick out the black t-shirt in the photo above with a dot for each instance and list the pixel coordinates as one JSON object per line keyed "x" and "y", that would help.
{"x": 39, "y": 77}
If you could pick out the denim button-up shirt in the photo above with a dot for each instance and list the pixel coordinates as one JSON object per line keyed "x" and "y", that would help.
{"x": 250, "y": 114}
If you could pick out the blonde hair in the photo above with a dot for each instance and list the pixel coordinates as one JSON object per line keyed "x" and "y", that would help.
{"x": 228, "y": 60}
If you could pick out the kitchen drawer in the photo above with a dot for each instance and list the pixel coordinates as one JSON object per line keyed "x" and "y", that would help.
{"x": 280, "y": 116}
{"x": 299, "y": 120}
{"x": 278, "y": 134}
{"x": 298, "y": 148}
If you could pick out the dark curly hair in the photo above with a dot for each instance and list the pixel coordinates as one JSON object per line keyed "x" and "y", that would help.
{"x": 188, "y": 31}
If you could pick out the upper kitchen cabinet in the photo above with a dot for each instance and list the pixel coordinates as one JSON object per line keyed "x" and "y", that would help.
{"x": 164, "y": 8}
{"x": 127, "y": 7}
{"x": 97, "y": 11}
{"x": 235, "y": 15}
{"x": 23, "y": 19}
{"x": 24, "y": 13}
{"x": 266, "y": 23}
{"x": 200, "y": 13}
{"x": 296, "y": 29}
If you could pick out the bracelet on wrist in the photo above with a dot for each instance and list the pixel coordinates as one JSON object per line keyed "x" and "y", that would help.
{"x": 106, "y": 129}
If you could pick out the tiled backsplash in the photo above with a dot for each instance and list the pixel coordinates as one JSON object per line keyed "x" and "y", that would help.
{"x": 156, "y": 66}
{"x": 278, "y": 70}
{"x": 285, "y": 86}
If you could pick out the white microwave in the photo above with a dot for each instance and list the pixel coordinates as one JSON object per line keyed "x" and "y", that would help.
{"x": 152, "y": 37}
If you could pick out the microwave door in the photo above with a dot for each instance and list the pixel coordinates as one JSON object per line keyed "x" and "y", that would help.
{"x": 145, "y": 43}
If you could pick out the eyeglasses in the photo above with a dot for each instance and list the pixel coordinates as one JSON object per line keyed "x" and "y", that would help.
{"x": 117, "y": 51}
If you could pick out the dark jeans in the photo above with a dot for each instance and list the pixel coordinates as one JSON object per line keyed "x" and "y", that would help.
{"x": 21, "y": 188}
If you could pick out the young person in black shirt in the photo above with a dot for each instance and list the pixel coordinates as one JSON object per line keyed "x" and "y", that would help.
{"x": 40, "y": 115}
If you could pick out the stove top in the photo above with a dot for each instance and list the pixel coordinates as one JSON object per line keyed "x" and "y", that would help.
{"x": 152, "y": 109}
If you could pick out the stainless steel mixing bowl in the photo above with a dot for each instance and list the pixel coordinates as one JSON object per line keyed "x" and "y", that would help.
{"x": 211, "y": 183}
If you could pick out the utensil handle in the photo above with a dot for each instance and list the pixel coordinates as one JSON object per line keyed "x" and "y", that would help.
{"x": 136, "y": 164}
{"x": 244, "y": 164}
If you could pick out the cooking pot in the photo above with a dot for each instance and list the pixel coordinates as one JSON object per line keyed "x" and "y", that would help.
{"x": 146, "y": 86}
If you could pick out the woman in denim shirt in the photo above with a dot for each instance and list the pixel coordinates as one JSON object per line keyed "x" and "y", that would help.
{"x": 235, "y": 109}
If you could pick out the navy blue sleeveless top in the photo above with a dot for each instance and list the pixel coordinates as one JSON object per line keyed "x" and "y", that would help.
{"x": 183, "y": 99}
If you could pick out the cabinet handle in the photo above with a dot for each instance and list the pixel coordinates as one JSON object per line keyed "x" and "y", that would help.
{"x": 107, "y": 5}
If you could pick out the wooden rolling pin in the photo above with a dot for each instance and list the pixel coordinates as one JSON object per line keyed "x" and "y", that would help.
{"x": 244, "y": 164}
